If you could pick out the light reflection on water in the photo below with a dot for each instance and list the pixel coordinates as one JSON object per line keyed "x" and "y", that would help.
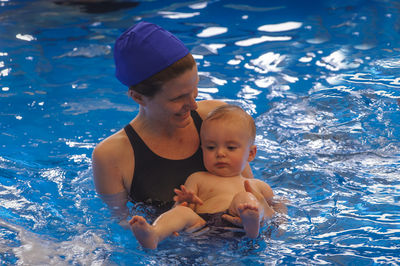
{"x": 323, "y": 89}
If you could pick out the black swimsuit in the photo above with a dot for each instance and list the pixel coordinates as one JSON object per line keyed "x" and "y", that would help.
{"x": 156, "y": 177}
{"x": 216, "y": 225}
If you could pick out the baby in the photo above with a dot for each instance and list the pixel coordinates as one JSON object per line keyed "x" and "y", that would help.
{"x": 227, "y": 140}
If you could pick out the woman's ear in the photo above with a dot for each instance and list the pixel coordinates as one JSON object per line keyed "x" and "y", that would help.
{"x": 136, "y": 96}
{"x": 252, "y": 153}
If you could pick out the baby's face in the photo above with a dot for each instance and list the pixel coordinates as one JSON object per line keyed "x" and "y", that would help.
{"x": 226, "y": 146}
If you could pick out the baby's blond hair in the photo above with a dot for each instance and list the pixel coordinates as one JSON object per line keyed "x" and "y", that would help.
{"x": 230, "y": 111}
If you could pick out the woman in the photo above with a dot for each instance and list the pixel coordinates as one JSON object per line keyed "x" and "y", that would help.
{"x": 160, "y": 147}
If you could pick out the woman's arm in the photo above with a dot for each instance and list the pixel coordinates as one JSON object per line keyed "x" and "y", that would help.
{"x": 206, "y": 106}
{"x": 247, "y": 172}
{"x": 117, "y": 205}
{"x": 107, "y": 174}
{"x": 108, "y": 177}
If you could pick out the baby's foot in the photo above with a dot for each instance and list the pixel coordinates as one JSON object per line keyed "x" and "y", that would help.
{"x": 250, "y": 215}
{"x": 144, "y": 232}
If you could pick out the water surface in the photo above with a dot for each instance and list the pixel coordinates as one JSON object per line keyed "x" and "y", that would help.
{"x": 321, "y": 79}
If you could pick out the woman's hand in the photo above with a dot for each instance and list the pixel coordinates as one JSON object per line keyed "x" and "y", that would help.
{"x": 185, "y": 195}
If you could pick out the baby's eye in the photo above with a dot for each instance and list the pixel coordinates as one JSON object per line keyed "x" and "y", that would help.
{"x": 210, "y": 148}
{"x": 232, "y": 148}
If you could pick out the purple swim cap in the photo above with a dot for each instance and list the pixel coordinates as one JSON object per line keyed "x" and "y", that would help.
{"x": 144, "y": 50}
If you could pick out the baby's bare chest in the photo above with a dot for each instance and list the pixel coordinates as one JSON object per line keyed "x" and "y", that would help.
{"x": 218, "y": 187}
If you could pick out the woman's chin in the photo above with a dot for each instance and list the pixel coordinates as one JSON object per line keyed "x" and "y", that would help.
{"x": 183, "y": 120}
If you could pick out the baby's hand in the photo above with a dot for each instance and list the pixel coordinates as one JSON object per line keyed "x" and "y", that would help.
{"x": 185, "y": 195}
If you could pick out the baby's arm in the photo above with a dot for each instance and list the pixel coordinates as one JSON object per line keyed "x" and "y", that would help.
{"x": 263, "y": 192}
{"x": 188, "y": 192}
{"x": 277, "y": 205}
{"x": 185, "y": 195}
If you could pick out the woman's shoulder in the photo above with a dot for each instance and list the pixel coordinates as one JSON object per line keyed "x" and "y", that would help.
{"x": 206, "y": 106}
{"x": 112, "y": 164}
{"x": 113, "y": 146}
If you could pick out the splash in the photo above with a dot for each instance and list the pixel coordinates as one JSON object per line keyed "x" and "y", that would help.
{"x": 85, "y": 249}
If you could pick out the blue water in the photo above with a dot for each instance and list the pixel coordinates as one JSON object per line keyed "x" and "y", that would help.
{"x": 324, "y": 88}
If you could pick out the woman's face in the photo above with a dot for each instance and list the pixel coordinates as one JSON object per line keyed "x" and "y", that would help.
{"x": 172, "y": 104}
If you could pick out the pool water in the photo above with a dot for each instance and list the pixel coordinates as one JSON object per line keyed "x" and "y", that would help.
{"x": 321, "y": 79}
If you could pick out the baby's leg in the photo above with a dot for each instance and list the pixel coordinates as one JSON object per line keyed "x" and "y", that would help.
{"x": 174, "y": 220}
{"x": 144, "y": 232}
{"x": 248, "y": 208}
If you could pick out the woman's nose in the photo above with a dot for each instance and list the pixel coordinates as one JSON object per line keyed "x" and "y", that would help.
{"x": 193, "y": 103}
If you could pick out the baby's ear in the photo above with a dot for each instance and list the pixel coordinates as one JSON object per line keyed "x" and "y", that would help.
{"x": 252, "y": 153}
